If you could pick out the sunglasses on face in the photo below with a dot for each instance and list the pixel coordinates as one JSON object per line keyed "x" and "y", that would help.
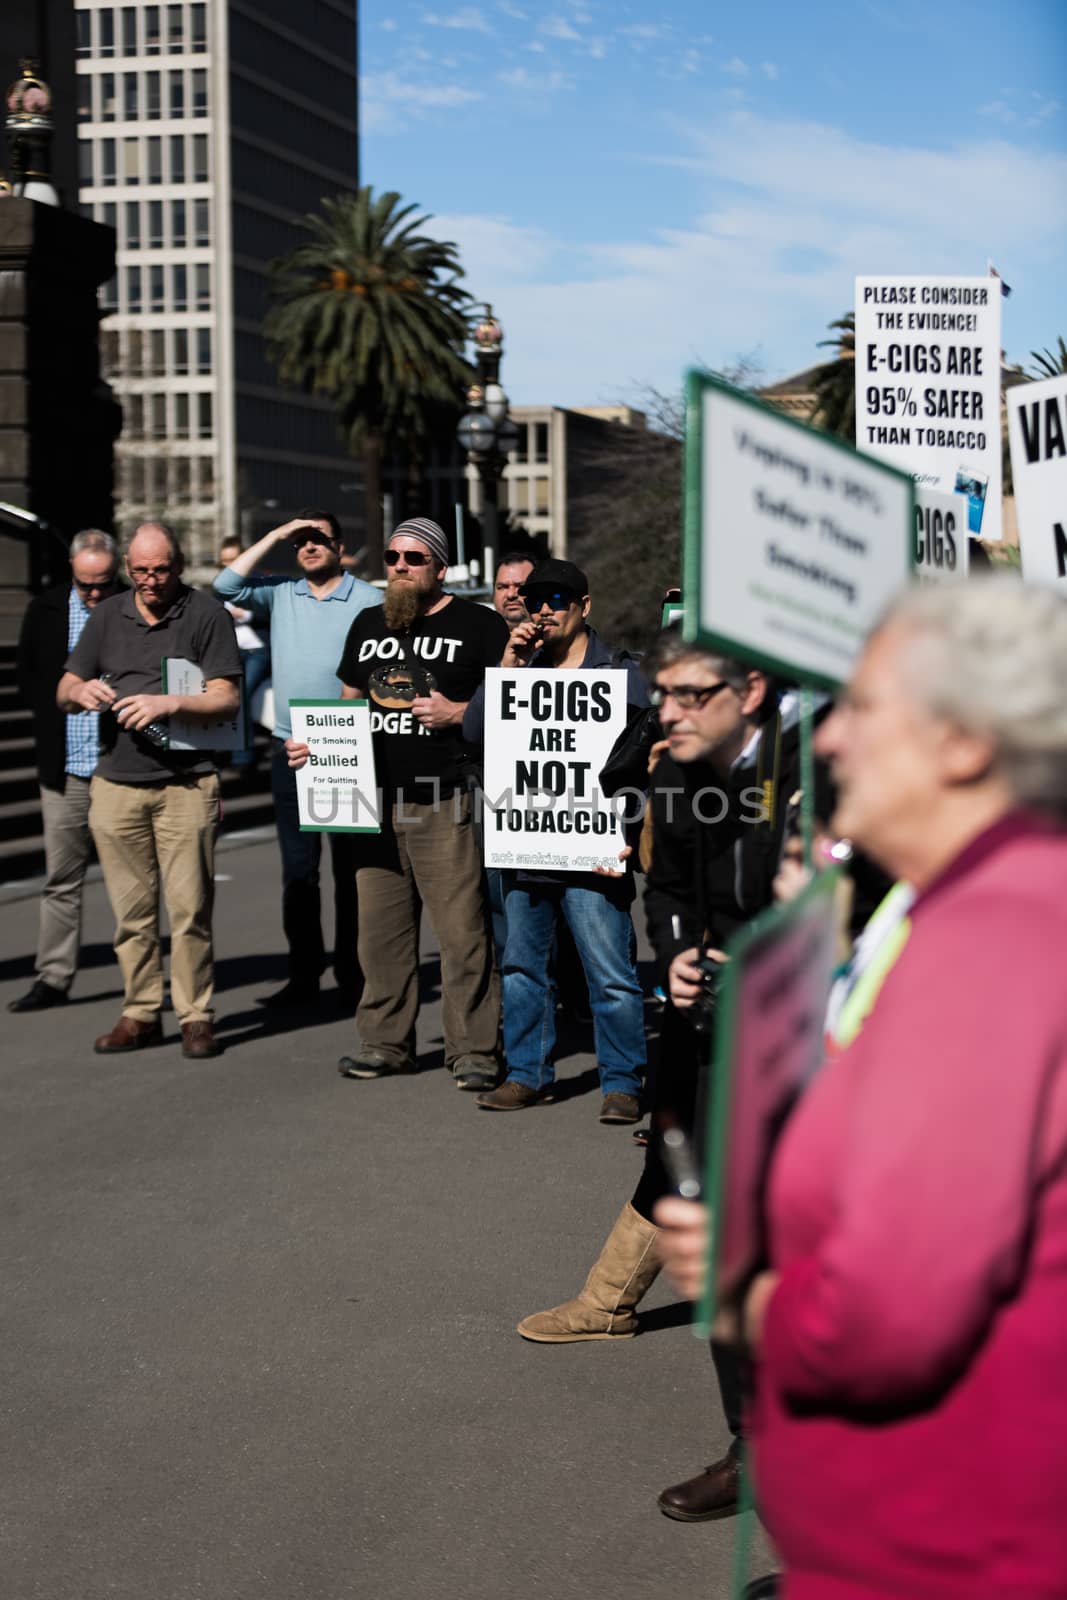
{"x": 555, "y": 599}
{"x": 93, "y": 588}
{"x": 686, "y": 696}
{"x": 310, "y": 536}
{"x": 411, "y": 558}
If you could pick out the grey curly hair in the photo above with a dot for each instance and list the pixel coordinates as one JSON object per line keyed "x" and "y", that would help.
{"x": 991, "y": 656}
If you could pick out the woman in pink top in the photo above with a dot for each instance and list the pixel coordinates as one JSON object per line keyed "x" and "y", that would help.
{"x": 910, "y": 1426}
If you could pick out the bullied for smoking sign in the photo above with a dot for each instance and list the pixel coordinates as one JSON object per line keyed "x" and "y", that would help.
{"x": 547, "y": 736}
{"x": 337, "y": 790}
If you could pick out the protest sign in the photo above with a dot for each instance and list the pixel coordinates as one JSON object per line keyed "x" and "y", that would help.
{"x": 190, "y": 733}
{"x": 928, "y": 385}
{"x": 1037, "y": 430}
{"x": 547, "y": 735}
{"x": 768, "y": 1044}
{"x": 794, "y": 542}
{"x": 942, "y": 546}
{"x": 337, "y": 791}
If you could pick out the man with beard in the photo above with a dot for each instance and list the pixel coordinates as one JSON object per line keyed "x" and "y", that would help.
{"x": 418, "y": 658}
{"x": 310, "y": 617}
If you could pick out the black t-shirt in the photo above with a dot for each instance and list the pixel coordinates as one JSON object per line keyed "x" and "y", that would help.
{"x": 454, "y": 646}
{"x": 119, "y": 641}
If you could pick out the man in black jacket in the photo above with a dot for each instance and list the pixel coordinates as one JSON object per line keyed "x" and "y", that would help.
{"x": 67, "y": 748}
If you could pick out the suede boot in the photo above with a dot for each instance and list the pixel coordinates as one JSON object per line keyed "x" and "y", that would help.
{"x": 606, "y": 1307}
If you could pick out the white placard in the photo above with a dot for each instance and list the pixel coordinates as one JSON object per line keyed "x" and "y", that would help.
{"x": 547, "y": 735}
{"x": 337, "y": 791}
{"x": 928, "y": 385}
{"x": 795, "y": 543}
{"x": 942, "y": 547}
{"x": 190, "y": 733}
{"x": 1037, "y": 429}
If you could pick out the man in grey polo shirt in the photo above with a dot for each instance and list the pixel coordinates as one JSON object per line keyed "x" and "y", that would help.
{"x": 309, "y": 621}
{"x": 154, "y": 811}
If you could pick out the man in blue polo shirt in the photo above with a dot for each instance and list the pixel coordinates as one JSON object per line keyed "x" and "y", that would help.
{"x": 309, "y": 621}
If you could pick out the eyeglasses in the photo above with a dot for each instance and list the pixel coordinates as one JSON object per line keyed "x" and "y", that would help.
{"x": 555, "y": 599}
{"x": 412, "y": 558}
{"x": 309, "y": 536}
{"x": 142, "y": 574}
{"x": 686, "y": 696}
{"x": 93, "y": 588}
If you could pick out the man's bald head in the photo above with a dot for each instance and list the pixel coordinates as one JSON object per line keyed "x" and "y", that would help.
{"x": 154, "y": 563}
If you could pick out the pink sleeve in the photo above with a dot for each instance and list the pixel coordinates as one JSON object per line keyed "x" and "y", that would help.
{"x": 938, "y": 1181}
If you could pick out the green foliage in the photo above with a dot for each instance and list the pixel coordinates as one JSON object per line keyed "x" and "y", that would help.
{"x": 1049, "y": 363}
{"x": 835, "y": 383}
{"x": 370, "y": 312}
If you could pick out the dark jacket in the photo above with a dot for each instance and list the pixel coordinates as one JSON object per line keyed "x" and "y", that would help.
{"x": 41, "y": 657}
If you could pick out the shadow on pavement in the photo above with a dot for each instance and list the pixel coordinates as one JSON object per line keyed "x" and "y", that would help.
{"x": 679, "y": 1315}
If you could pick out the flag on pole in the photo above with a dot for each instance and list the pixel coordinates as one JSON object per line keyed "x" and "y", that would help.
{"x": 1005, "y": 288}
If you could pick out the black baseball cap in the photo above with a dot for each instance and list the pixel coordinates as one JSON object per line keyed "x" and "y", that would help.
{"x": 557, "y": 575}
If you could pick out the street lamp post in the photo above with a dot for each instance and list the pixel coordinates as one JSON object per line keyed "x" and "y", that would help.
{"x": 486, "y": 432}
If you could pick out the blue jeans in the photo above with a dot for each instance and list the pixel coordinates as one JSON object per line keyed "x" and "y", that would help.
{"x": 599, "y": 920}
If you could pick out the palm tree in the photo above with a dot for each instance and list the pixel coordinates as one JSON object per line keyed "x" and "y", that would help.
{"x": 835, "y": 382}
{"x": 370, "y": 312}
{"x": 1050, "y": 363}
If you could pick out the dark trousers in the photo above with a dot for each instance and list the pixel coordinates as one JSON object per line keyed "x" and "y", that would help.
{"x": 677, "y": 1102}
{"x": 301, "y": 901}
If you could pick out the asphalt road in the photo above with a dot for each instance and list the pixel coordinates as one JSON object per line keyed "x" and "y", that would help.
{"x": 258, "y": 1321}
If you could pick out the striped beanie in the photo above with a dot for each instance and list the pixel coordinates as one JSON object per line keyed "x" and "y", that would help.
{"x": 427, "y": 533}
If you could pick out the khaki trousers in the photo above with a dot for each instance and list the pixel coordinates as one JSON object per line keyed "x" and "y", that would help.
{"x": 147, "y": 835}
{"x": 426, "y": 855}
{"x": 66, "y": 853}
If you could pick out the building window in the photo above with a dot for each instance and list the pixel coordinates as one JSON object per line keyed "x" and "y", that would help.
{"x": 540, "y": 489}
{"x": 133, "y": 289}
{"x": 154, "y": 162}
{"x": 106, "y": 81}
{"x": 181, "y": 480}
{"x": 83, "y": 20}
{"x": 177, "y": 94}
{"x": 203, "y": 287}
{"x": 181, "y": 292}
{"x": 177, "y": 158}
{"x": 175, "y": 31}
{"x": 541, "y": 442}
{"x": 129, "y": 96}
{"x": 198, "y": 29}
{"x": 85, "y": 92}
{"x": 131, "y": 160}
{"x": 200, "y": 92}
{"x": 519, "y": 496}
{"x": 133, "y": 225}
{"x": 153, "y": 110}
{"x": 201, "y": 229}
{"x": 177, "y": 224}
{"x": 135, "y": 478}
{"x": 200, "y": 171}
{"x": 155, "y": 288}
{"x": 109, "y": 352}
{"x": 157, "y": 416}
{"x": 133, "y": 416}
{"x": 107, "y": 162}
{"x": 181, "y": 416}
{"x": 85, "y": 161}
{"x": 109, "y": 295}
{"x": 203, "y": 413}
{"x": 129, "y": 30}
{"x": 203, "y": 349}
{"x": 157, "y": 353}
{"x": 155, "y": 224}
{"x": 151, "y": 30}
{"x": 181, "y": 346}
{"x": 107, "y": 214}
{"x": 105, "y": 31}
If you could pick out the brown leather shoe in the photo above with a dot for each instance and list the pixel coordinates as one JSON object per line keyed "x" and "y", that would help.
{"x": 129, "y": 1034}
{"x": 513, "y": 1096}
{"x": 198, "y": 1041}
{"x": 711, "y": 1494}
{"x": 618, "y": 1107}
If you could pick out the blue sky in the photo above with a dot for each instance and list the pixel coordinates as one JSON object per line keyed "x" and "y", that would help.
{"x": 639, "y": 189}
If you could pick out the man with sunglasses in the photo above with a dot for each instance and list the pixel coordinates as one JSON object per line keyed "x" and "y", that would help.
{"x": 309, "y": 620}
{"x": 67, "y": 748}
{"x": 418, "y": 658}
{"x": 154, "y": 810}
{"x": 596, "y": 908}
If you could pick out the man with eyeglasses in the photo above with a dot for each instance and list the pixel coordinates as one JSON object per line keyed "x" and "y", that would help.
{"x": 309, "y": 620}
{"x": 154, "y": 811}
{"x": 67, "y": 749}
{"x": 595, "y": 907}
{"x": 418, "y": 658}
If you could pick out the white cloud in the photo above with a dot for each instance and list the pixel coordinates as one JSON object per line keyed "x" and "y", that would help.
{"x": 510, "y": 10}
{"x": 535, "y": 82}
{"x": 558, "y": 28}
{"x": 768, "y": 262}
{"x": 769, "y": 70}
{"x": 468, "y": 19}
{"x": 384, "y": 95}
{"x": 387, "y": 25}
{"x": 642, "y": 30}
{"x": 598, "y": 49}
{"x": 735, "y": 67}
